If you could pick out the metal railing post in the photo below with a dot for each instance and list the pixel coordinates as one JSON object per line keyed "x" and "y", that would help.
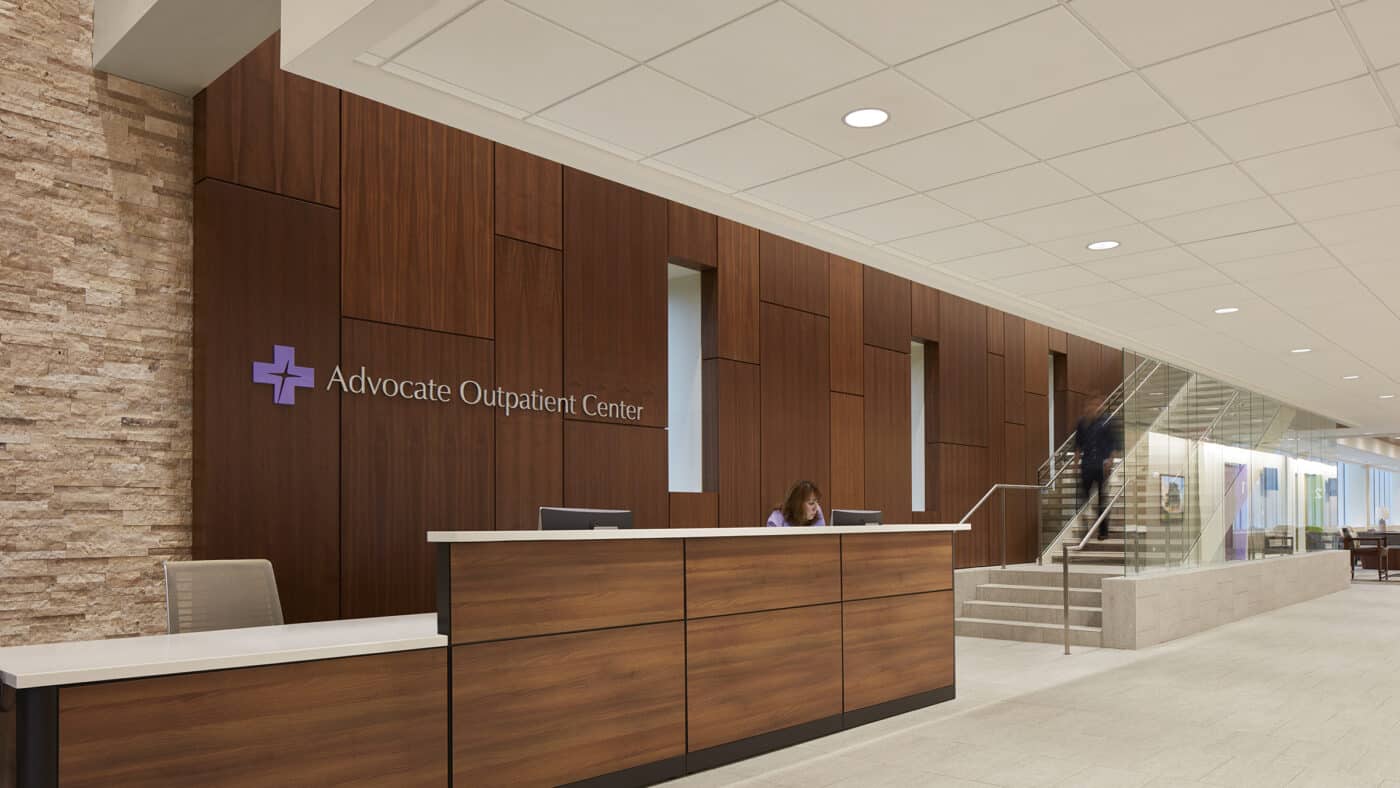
{"x": 1003, "y": 528}
{"x": 1064, "y": 557}
{"x": 1039, "y": 525}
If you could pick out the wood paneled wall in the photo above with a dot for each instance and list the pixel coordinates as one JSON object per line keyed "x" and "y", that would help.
{"x": 363, "y": 235}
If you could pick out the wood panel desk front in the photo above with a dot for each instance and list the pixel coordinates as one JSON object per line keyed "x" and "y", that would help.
{"x": 632, "y": 657}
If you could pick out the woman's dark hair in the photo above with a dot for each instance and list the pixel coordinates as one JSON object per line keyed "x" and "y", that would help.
{"x": 793, "y": 507}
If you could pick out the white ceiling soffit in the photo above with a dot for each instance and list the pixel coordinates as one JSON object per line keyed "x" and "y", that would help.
{"x": 177, "y": 45}
{"x": 1244, "y": 154}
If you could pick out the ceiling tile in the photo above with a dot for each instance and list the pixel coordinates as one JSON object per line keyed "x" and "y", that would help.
{"x": 1191, "y": 192}
{"x": 644, "y": 111}
{"x": 1132, "y": 238}
{"x": 512, "y": 56}
{"x": 900, "y": 218}
{"x": 1302, "y": 261}
{"x": 1116, "y": 108}
{"x": 957, "y": 242}
{"x": 1013, "y": 190}
{"x": 1002, "y": 263}
{"x": 1240, "y": 217}
{"x": 897, "y": 30}
{"x": 747, "y": 155}
{"x": 1200, "y": 303}
{"x": 420, "y": 25}
{"x": 1250, "y": 70}
{"x": 1327, "y": 162}
{"x": 1391, "y": 79}
{"x": 944, "y": 157}
{"x": 1175, "y": 281}
{"x": 1171, "y": 258}
{"x": 767, "y": 59}
{"x": 1325, "y": 113}
{"x": 835, "y": 188}
{"x": 1075, "y": 217}
{"x": 1334, "y": 199}
{"x": 1382, "y": 224}
{"x": 1147, "y": 31}
{"x": 913, "y": 112}
{"x": 1148, "y": 157}
{"x": 1068, "y": 276}
{"x": 1256, "y": 244}
{"x": 1134, "y": 314}
{"x": 1367, "y": 252}
{"x": 641, "y": 29}
{"x": 1026, "y": 60}
{"x": 1099, "y": 292}
{"x": 1376, "y": 23}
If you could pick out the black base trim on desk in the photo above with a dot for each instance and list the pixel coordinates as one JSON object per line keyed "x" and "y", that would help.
{"x": 891, "y": 708}
{"x": 36, "y": 757}
{"x": 443, "y": 588}
{"x": 730, "y": 752}
{"x": 646, "y": 774}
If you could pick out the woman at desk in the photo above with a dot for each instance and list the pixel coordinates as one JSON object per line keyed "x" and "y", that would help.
{"x": 802, "y": 507}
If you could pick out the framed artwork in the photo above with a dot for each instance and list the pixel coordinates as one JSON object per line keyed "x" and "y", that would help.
{"x": 1173, "y": 494}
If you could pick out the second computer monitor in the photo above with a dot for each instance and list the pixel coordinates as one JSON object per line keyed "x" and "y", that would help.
{"x": 556, "y": 518}
{"x": 855, "y": 516}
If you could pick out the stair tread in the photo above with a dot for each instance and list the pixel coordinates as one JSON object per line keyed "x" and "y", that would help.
{"x": 1029, "y": 624}
{"x": 1081, "y": 608}
{"x": 1040, "y": 588}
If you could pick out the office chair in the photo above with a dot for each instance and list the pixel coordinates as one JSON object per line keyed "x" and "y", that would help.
{"x": 205, "y": 595}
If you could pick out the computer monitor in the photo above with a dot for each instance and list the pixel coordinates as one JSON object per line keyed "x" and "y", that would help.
{"x": 855, "y": 516}
{"x": 556, "y": 518}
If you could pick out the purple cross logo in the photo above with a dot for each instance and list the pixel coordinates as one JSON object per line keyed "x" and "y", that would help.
{"x": 283, "y": 374}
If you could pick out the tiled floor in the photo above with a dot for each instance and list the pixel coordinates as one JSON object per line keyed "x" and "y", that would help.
{"x": 1304, "y": 696}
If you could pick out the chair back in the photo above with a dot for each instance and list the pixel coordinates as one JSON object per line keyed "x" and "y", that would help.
{"x": 205, "y": 595}
{"x": 1348, "y": 539}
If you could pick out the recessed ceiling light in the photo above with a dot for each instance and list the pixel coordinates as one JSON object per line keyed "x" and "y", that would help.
{"x": 1101, "y": 246}
{"x": 1387, "y": 396}
{"x": 1301, "y": 350}
{"x": 1227, "y": 310}
{"x": 1351, "y": 377}
{"x": 866, "y": 118}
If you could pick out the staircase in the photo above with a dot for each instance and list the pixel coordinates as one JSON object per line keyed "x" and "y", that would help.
{"x": 1027, "y": 603}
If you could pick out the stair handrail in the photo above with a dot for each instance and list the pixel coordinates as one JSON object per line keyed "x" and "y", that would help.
{"x": 1219, "y": 505}
{"x": 1064, "y": 446}
{"x": 1004, "y": 486}
{"x": 1235, "y": 394}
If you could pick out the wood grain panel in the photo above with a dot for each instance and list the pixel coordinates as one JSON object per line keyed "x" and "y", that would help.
{"x": 961, "y": 478}
{"x": 267, "y": 476}
{"x": 1015, "y": 389}
{"x": 529, "y": 460}
{"x": 610, "y": 466}
{"x": 887, "y": 310}
{"x": 1058, "y": 340}
{"x": 896, "y": 647}
{"x": 888, "y": 465}
{"x": 556, "y": 709}
{"x": 374, "y": 720}
{"x": 847, "y": 326}
{"x": 888, "y": 564}
{"x": 996, "y": 331}
{"x": 759, "y": 672}
{"x": 417, "y": 229}
{"x": 746, "y": 574}
{"x": 1022, "y": 539}
{"x": 923, "y": 313}
{"x": 793, "y": 275}
{"x": 529, "y": 197}
{"x": 691, "y": 237}
{"x": 847, "y": 453}
{"x": 996, "y": 448}
{"x": 1037, "y": 433}
{"x": 1037, "y": 359}
{"x": 520, "y": 589}
{"x": 795, "y": 414}
{"x": 409, "y": 466}
{"x": 1082, "y": 365}
{"x": 962, "y": 371}
{"x": 729, "y": 296}
{"x": 1110, "y": 369}
{"x": 731, "y": 436}
{"x": 615, "y": 295}
{"x": 694, "y": 510}
{"x": 262, "y": 127}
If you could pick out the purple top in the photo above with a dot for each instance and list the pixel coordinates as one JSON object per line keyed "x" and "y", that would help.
{"x": 776, "y": 519}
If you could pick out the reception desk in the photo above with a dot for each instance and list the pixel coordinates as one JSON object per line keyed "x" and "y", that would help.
{"x": 634, "y": 656}
{"x": 554, "y": 657}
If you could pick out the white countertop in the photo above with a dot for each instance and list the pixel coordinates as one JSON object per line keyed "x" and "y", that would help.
{"x": 50, "y": 664}
{"x": 682, "y": 533}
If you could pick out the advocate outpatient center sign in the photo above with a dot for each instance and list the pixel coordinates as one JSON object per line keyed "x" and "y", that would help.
{"x": 285, "y": 377}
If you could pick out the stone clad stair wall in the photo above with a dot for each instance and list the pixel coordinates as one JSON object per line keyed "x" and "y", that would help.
{"x": 1027, "y": 604}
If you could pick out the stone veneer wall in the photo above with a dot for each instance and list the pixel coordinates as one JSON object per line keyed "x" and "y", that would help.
{"x": 96, "y": 198}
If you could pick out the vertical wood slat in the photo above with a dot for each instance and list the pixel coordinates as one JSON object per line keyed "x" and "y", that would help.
{"x": 888, "y": 468}
{"x": 887, "y": 310}
{"x": 1015, "y": 389}
{"x": 924, "y": 312}
{"x": 1037, "y": 355}
{"x": 691, "y": 237}
{"x": 529, "y": 197}
{"x": 529, "y": 355}
{"x": 732, "y": 403}
{"x": 847, "y": 452}
{"x": 962, "y": 372}
{"x": 847, "y": 326}
{"x": 617, "y": 466}
{"x": 694, "y": 509}
{"x": 729, "y": 296}
{"x": 793, "y": 275}
{"x": 417, "y": 230}
{"x": 795, "y": 415}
